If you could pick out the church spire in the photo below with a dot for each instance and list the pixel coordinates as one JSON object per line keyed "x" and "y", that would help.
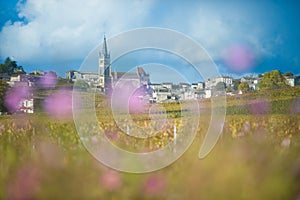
{"x": 104, "y": 48}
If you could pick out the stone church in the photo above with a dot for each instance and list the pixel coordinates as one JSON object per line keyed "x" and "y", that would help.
{"x": 107, "y": 78}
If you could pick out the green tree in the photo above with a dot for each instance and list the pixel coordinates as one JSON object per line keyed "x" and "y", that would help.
{"x": 3, "y": 89}
{"x": 236, "y": 84}
{"x": 244, "y": 87}
{"x": 10, "y": 67}
{"x": 81, "y": 85}
{"x": 272, "y": 80}
{"x": 288, "y": 74}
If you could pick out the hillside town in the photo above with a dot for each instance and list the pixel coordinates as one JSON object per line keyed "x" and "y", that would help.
{"x": 104, "y": 81}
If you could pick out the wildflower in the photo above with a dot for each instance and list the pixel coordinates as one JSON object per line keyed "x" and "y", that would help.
{"x": 155, "y": 185}
{"x": 111, "y": 180}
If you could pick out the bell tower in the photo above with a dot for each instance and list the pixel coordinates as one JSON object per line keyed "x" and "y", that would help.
{"x": 105, "y": 76}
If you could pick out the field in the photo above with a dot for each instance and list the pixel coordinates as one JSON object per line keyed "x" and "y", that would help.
{"x": 256, "y": 157}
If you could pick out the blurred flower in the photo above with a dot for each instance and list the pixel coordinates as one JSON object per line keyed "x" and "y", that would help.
{"x": 246, "y": 126}
{"x": 14, "y": 97}
{"x": 51, "y": 155}
{"x": 21, "y": 121}
{"x": 1, "y": 128}
{"x": 240, "y": 134}
{"x": 25, "y": 183}
{"x": 49, "y": 80}
{"x": 239, "y": 58}
{"x": 59, "y": 104}
{"x": 155, "y": 185}
{"x": 286, "y": 142}
{"x": 295, "y": 107}
{"x": 127, "y": 95}
{"x": 260, "y": 107}
{"x": 111, "y": 180}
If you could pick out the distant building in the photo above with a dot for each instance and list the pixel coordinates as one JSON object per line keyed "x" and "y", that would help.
{"x": 27, "y": 105}
{"x": 251, "y": 81}
{"x": 105, "y": 80}
{"x": 212, "y": 82}
{"x": 290, "y": 80}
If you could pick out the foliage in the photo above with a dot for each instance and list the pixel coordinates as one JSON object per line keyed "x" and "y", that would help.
{"x": 288, "y": 74}
{"x": 81, "y": 85}
{"x": 10, "y": 67}
{"x": 272, "y": 80}
{"x": 43, "y": 157}
{"x": 3, "y": 89}
{"x": 236, "y": 84}
{"x": 244, "y": 87}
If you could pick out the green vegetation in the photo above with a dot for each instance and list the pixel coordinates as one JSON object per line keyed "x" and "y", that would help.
{"x": 3, "y": 89}
{"x": 10, "y": 67}
{"x": 244, "y": 87}
{"x": 272, "y": 80}
{"x": 257, "y": 156}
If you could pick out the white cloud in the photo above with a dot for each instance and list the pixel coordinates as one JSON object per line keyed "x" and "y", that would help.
{"x": 57, "y": 31}
{"x": 218, "y": 25}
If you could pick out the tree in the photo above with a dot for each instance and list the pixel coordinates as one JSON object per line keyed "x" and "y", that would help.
{"x": 10, "y": 67}
{"x": 3, "y": 89}
{"x": 244, "y": 87}
{"x": 272, "y": 80}
{"x": 236, "y": 84}
{"x": 288, "y": 74}
{"x": 81, "y": 85}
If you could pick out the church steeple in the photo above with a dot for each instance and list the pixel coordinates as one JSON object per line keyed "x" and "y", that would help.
{"x": 104, "y": 48}
{"x": 105, "y": 76}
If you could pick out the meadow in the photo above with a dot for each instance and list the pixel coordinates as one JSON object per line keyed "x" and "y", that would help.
{"x": 256, "y": 157}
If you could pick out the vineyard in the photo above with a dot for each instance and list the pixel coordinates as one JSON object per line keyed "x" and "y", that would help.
{"x": 256, "y": 157}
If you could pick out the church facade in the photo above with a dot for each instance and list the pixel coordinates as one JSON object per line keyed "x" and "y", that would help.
{"x": 107, "y": 79}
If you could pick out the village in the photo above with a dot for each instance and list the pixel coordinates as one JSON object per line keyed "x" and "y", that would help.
{"x": 104, "y": 81}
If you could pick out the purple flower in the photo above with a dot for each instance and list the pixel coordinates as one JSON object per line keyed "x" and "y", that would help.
{"x": 14, "y": 97}
{"x": 155, "y": 185}
{"x": 25, "y": 183}
{"x": 239, "y": 58}
{"x": 260, "y": 107}
{"x": 49, "y": 80}
{"x": 59, "y": 104}
{"x": 295, "y": 107}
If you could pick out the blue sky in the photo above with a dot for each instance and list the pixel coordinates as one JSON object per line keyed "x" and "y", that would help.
{"x": 59, "y": 34}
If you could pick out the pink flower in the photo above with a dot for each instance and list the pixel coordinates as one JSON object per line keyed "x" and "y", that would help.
{"x": 25, "y": 183}
{"x": 295, "y": 107}
{"x": 59, "y": 104}
{"x": 111, "y": 180}
{"x": 155, "y": 185}
{"x": 128, "y": 96}
{"x": 239, "y": 58}
{"x": 14, "y": 97}
{"x": 49, "y": 80}
{"x": 260, "y": 107}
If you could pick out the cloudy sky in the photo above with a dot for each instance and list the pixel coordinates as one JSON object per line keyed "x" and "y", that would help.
{"x": 240, "y": 36}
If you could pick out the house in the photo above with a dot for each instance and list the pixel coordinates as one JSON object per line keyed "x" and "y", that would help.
{"x": 27, "y": 105}
{"x": 290, "y": 80}
{"x": 212, "y": 82}
{"x": 251, "y": 81}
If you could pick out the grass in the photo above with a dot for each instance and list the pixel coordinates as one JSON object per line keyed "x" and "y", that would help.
{"x": 43, "y": 157}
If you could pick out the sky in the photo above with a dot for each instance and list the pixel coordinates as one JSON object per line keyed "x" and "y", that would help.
{"x": 241, "y": 37}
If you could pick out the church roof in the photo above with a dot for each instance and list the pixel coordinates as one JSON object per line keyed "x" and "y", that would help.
{"x": 104, "y": 47}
